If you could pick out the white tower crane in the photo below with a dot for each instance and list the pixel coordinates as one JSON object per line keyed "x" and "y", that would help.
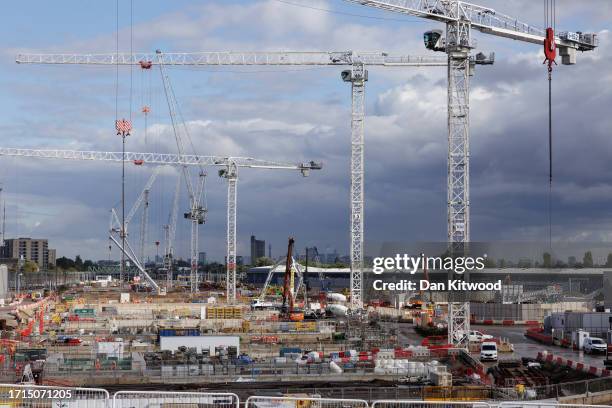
{"x": 357, "y": 75}
{"x": 229, "y": 170}
{"x": 197, "y": 209}
{"x": 460, "y": 18}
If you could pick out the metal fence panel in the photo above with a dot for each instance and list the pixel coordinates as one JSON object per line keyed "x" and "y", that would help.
{"x": 428, "y": 404}
{"x": 305, "y": 402}
{"x": 545, "y": 404}
{"x": 35, "y": 396}
{"x": 599, "y": 384}
{"x": 158, "y": 399}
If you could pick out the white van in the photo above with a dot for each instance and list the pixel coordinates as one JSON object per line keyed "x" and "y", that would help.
{"x": 488, "y": 351}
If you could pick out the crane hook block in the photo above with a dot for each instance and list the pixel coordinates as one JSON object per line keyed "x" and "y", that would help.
{"x": 550, "y": 48}
{"x": 145, "y": 64}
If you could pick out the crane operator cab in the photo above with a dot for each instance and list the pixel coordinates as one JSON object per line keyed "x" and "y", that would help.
{"x": 434, "y": 41}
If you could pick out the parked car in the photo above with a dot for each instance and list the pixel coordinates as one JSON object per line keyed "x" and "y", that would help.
{"x": 595, "y": 345}
{"x": 479, "y": 336}
{"x": 488, "y": 351}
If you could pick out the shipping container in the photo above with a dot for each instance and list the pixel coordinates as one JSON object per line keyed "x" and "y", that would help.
{"x": 179, "y": 332}
{"x": 288, "y": 350}
{"x": 84, "y": 312}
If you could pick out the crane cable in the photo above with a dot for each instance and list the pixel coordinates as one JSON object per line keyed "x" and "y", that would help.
{"x": 550, "y": 53}
{"x": 117, "y": 62}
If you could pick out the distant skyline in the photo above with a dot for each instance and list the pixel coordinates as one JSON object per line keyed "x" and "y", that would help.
{"x": 301, "y": 114}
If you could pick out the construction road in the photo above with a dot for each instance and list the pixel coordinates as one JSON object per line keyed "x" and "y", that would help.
{"x": 523, "y": 347}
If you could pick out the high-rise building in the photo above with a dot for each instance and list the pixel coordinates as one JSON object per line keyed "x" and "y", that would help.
{"x": 52, "y": 257}
{"x": 258, "y": 249}
{"x": 202, "y": 258}
{"x": 34, "y": 250}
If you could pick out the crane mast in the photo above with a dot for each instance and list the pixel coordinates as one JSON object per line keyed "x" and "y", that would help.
{"x": 143, "y": 228}
{"x": 357, "y": 76}
{"x": 170, "y": 232}
{"x": 230, "y": 173}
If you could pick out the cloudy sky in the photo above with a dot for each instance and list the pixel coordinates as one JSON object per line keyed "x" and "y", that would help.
{"x": 299, "y": 114}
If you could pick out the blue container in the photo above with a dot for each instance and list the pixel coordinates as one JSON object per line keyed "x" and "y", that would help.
{"x": 290, "y": 350}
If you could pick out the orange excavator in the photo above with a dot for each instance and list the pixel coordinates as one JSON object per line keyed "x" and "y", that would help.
{"x": 288, "y": 310}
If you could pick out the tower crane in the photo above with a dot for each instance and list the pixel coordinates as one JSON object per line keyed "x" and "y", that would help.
{"x": 197, "y": 210}
{"x": 356, "y": 75}
{"x": 460, "y": 18}
{"x": 228, "y": 169}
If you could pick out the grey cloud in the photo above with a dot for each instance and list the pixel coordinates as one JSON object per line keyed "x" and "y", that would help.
{"x": 302, "y": 115}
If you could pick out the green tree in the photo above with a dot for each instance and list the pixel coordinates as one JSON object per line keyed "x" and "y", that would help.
{"x": 547, "y": 260}
{"x": 490, "y": 262}
{"x": 30, "y": 266}
{"x": 264, "y": 261}
{"x": 609, "y": 261}
{"x": 587, "y": 260}
{"x": 64, "y": 263}
{"x": 78, "y": 263}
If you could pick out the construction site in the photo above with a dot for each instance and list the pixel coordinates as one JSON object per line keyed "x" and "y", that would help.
{"x": 148, "y": 328}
